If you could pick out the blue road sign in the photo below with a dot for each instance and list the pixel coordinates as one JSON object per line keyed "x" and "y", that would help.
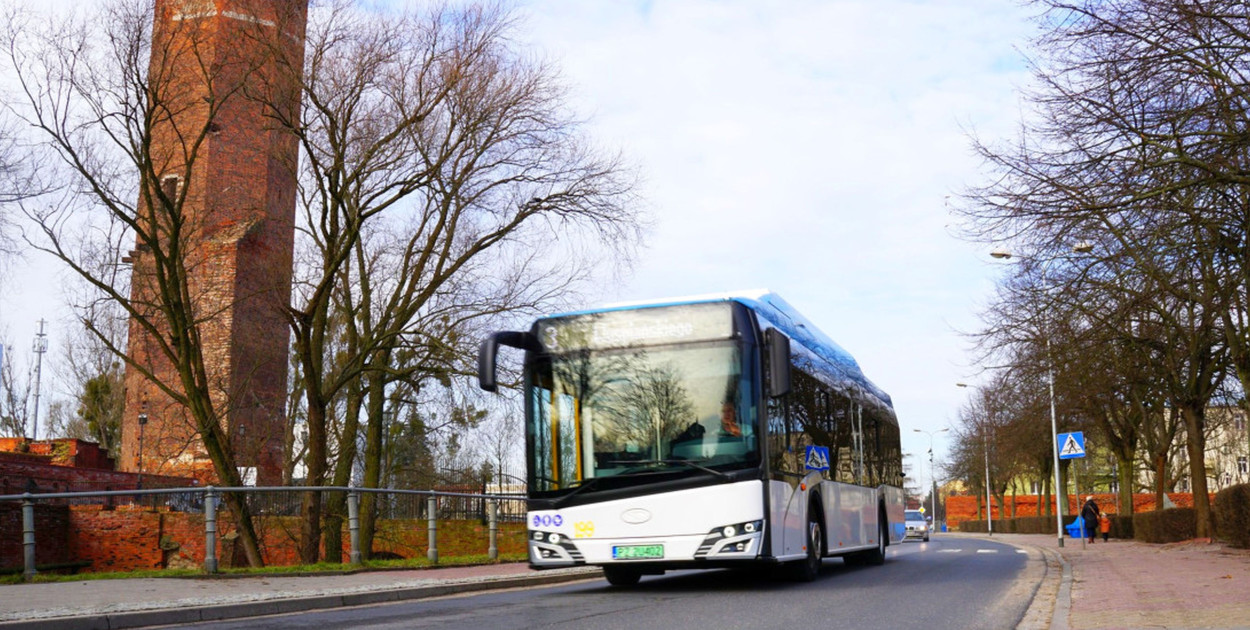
{"x": 1071, "y": 445}
{"x": 817, "y": 458}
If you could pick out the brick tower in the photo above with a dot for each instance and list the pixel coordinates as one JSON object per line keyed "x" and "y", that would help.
{"x": 220, "y": 69}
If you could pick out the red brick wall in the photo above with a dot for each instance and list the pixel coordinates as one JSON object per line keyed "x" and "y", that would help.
{"x": 129, "y": 539}
{"x": 18, "y": 469}
{"x": 964, "y": 508}
{"x": 52, "y": 531}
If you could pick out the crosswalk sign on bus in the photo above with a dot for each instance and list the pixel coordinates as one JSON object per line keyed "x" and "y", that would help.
{"x": 1071, "y": 445}
{"x": 817, "y": 458}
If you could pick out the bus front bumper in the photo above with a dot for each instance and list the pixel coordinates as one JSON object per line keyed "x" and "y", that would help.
{"x": 729, "y": 543}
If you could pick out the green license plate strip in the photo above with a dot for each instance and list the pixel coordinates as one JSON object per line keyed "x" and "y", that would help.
{"x": 637, "y": 552}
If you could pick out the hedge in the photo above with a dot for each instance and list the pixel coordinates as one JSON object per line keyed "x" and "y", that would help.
{"x": 1165, "y": 526}
{"x": 1232, "y": 515}
{"x": 1121, "y": 526}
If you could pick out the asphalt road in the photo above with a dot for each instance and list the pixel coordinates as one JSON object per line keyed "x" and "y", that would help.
{"x": 946, "y": 583}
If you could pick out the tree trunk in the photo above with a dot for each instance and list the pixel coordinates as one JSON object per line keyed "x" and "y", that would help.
{"x": 1124, "y": 480}
{"x": 223, "y": 464}
{"x": 315, "y": 462}
{"x": 1161, "y": 473}
{"x": 375, "y": 430}
{"x": 336, "y": 502}
{"x": 1195, "y": 445}
{"x": 1061, "y": 493}
{"x": 1047, "y": 496}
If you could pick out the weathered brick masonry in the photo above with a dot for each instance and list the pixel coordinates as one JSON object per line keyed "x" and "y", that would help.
{"x": 239, "y": 236}
{"x": 68, "y": 466}
{"x": 129, "y": 539}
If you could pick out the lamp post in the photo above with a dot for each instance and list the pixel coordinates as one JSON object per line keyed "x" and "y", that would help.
{"x": 1060, "y": 498}
{"x": 40, "y": 347}
{"x": 989, "y": 501}
{"x": 143, "y": 421}
{"x": 932, "y": 474}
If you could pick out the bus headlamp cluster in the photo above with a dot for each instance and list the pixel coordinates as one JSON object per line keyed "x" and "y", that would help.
{"x": 554, "y": 546}
{"x": 738, "y": 529}
{"x": 736, "y": 538}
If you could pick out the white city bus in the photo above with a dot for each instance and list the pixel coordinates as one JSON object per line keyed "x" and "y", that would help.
{"x": 712, "y": 431}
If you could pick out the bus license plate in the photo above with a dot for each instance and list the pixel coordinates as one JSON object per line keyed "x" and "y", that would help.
{"x": 637, "y": 552}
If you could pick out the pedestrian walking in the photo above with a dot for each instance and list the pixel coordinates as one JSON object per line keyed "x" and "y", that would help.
{"x": 1104, "y": 524}
{"x": 1090, "y": 514}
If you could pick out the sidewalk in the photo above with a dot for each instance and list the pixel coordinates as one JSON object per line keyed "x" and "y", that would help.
{"x": 136, "y": 603}
{"x": 1127, "y": 584}
{"x": 1120, "y": 584}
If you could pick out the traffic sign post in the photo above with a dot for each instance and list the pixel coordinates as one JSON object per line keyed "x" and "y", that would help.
{"x": 1072, "y": 446}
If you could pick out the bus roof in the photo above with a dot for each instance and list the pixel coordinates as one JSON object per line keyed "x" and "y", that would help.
{"x": 777, "y": 312}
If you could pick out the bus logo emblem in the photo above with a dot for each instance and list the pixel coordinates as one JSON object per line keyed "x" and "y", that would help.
{"x": 817, "y": 458}
{"x": 635, "y": 516}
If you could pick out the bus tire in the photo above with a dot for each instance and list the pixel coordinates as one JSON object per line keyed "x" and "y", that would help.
{"x": 876, "y": 557}
{"x": 621, "y": 576}
{"x": 808, "y": 568}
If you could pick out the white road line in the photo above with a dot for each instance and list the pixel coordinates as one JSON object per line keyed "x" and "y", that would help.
{"x": 949, "y": 550}
{"x": 1021, "y": 551}
{"x": 987, "y": 551}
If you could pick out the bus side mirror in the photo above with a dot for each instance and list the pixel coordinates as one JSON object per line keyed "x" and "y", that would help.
{"x": 778, "y": 362}
{"x": 487, "y": 352}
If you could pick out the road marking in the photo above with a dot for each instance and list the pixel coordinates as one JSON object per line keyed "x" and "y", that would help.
{"x": 1021, "y": 551}
{"x": 987, "y": 551}
{"x": 949, "y": 550}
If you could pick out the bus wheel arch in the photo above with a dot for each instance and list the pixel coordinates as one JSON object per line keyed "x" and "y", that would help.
{"x": 808, "y": 568}
{"x": 876, "y": 557}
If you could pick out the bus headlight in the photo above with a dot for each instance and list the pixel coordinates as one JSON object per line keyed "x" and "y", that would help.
{"x": 736, "y": 538}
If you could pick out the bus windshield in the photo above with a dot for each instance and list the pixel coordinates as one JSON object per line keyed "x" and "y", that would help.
{"x": 638, "y": 414}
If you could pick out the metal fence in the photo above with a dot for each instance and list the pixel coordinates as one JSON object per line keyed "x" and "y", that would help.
{"x": 429, "y": 506}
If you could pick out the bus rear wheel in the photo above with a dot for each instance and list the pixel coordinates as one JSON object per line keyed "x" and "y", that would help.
{"x": 876, "y": 557}
{"x": 621, "y": 576}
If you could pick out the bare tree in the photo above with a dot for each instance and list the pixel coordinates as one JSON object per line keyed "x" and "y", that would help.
{"x": 120, "y": 121}
{"x": 435, "y": 128}
{"x": 1138, "y": 145}
{"x": 14, "y": 400}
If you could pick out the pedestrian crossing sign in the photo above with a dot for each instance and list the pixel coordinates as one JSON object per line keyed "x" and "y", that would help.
{"x": 817, "y": 458}
{"x": 1071, "y": 445}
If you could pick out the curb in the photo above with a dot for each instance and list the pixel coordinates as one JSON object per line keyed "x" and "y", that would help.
{"x": 1051, "y": 599}
{"x": 280, "y": 606}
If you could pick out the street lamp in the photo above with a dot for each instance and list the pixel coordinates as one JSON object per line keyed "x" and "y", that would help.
{"x": 989, "y": 500}
{"x": 932, "y": 474}
{"x": 1060, "y": 493}
{"x": 143, "y": 421}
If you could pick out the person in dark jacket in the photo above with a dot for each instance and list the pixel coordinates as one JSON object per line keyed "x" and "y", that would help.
{"x": 1090, "y": 514}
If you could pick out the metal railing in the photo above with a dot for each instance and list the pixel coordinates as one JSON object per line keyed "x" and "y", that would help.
{"x": 286, "y": 501}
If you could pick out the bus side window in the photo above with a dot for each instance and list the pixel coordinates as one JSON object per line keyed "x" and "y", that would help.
{"x": 845, "y": 440}
{"x": 778, "y": 434}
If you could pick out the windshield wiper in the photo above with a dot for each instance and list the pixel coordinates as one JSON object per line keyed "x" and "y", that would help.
{"x": 680, "y": 462}
{"x": 593, "y": 481}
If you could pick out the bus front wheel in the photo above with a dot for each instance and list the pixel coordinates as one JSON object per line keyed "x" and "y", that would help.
{"x": 621, "y": 576}
{"x": 808, "y": 568}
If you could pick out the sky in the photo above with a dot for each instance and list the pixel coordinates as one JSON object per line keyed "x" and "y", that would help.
{"x": 808, "y": 147}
